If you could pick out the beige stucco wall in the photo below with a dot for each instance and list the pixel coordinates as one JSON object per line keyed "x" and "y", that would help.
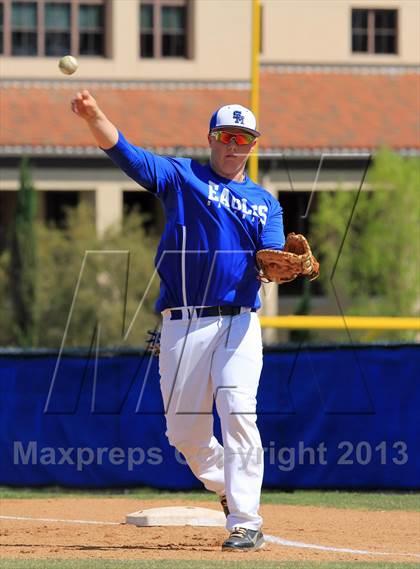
{"x": 294, "y": 31}
{"x": 319, "y": 31}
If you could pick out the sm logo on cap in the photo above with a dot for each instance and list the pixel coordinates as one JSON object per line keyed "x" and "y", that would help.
{"x": 238, "y": 117}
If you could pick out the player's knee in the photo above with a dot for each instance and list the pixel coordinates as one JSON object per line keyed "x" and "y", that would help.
{"x": 176, "y": 438}
{"x": 240, "y": 426}
{"x": 183, "y": 438}
{"x": 196, "y": 453}
{"x": 237, "y": 415}
{"x": 233, "y": 403}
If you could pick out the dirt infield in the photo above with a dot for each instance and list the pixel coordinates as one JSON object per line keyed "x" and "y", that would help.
{"x": 394, "y": 532}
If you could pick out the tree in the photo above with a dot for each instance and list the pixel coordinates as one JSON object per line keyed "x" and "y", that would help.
{"x": 106, "y": 294}
{"x": 104, "y": 300}
{"x": 303, "y": 308}
{"x": 23, "y": 261}
{"x": 377, "y": 271}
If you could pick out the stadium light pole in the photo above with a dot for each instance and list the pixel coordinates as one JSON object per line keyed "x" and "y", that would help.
{"x": 255, "y": 79}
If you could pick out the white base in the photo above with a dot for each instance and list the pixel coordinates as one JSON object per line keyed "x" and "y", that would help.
{"x": 177, "y": 516}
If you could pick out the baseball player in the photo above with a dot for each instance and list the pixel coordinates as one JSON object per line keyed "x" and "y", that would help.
{"x": 211, "y": 348}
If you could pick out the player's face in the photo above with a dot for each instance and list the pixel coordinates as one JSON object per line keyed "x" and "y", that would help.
{"x": 229, "y": 159}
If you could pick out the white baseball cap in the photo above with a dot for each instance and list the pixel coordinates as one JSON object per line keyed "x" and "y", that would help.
{"x": 234, "y": 116}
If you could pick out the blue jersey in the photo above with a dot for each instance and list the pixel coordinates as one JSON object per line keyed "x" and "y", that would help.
{"x": 214, "y": 226}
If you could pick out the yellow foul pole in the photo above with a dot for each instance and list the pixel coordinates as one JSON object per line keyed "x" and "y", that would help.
{"x": 255, "y": 81}
{"x": 342, "y": 322}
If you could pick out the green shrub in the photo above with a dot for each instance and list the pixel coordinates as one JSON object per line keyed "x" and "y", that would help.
{"x": 103, "y": 302}
{"x": 377, "y": 272}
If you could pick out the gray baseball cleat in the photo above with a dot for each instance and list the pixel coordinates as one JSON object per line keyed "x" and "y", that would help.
{"x": 224, "y": 504}
{"x": 243, "y": 539}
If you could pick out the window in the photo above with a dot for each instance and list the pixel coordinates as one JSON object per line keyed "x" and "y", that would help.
{"x": 294, "y": 204}
{"x": 149, "y": 207}
{"x": 7, "y": 209}
{"x": 146, "y": 33}
{"x": 57, "y": 29}
{"x": 164, "y": 28}
{"x": 374, "y": 31}
{"x": 24, "y": 28}
{"x": 173, "y": 31}
{"x": 57, "y": 204}
{"x": 52, "y": 27}
{"x": 91, "y": 26}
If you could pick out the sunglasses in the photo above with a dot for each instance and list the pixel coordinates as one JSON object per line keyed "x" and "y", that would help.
{"x": 241, "y": 138}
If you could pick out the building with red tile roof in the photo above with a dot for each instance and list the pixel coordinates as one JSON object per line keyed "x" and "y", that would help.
{"x": 301, "y": 112}
{"x": 338, "y": 82}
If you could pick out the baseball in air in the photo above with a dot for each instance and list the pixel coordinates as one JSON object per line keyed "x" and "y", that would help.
{"x": 68, "y": 64}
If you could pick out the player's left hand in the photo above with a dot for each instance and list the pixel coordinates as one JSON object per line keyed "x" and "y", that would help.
{"x": 295, "y": 260}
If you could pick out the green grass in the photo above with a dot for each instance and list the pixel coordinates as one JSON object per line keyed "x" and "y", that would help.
{"x": 407, "y": 501}
{"x": 149, "y": 564}
{"x": 354, "y": 500}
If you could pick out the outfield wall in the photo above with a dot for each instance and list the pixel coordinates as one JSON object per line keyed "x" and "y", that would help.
{"x": 332, "y": 417}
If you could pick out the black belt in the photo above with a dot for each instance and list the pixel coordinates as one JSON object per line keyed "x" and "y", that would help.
{"x": 177, "y": 314}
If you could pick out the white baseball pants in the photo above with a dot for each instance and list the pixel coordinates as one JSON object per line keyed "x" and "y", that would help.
{"x": 216, "y": 358}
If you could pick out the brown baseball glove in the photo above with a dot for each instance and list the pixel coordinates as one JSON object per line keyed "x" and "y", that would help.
{"x": 295, "y": 260}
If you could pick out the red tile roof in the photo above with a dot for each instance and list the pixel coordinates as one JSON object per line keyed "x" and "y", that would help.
{"x": 299, "y": 111}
